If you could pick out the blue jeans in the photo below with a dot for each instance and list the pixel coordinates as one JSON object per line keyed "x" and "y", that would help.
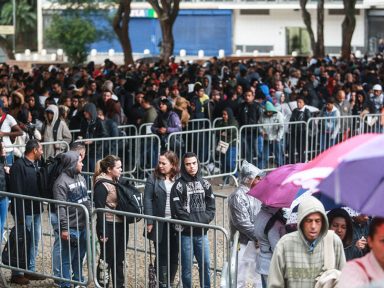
{"x": 9, "y": 158}
{"x": 196, "y": 249}
{"x": 228, "y": 160}
{"x": 3, "y": 216}
{"x": 35, "y": 239}
{"x": 252, "y": 145}
{"x": 72, "y": 256}
{"x": 278, "y": 151}
{"x": 326, "y": 141}
{"x": 56, "y": 266}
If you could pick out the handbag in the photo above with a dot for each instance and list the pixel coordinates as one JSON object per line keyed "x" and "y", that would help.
{"x": 222, "y": 147}
{"x": 151, "y": 270}
{"x": 329, "y": 276}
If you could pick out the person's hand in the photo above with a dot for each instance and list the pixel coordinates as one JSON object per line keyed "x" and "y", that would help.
{"x": 362, "y": 243}
{"x": 149, "y": 228}
{"x": 162, "y": 130}
{"x": 1, "y": 134}
{"x": 65, "y": 235}
{"x": 87, "y": 142}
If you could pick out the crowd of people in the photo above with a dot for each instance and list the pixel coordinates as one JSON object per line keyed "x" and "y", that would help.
{"x": 44, "y": 104}
{"x": 286, "y": 258}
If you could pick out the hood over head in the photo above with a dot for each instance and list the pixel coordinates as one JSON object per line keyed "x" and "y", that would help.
{"x": 340, "y": 212}
{"x": 91, "y": 108}
{"x": 269, "y": 107}
{"x": 308, "y": 206}
{"x": 265, "y": 89}
{"x": 69, "y": 161}
{"x": 248, "y": 173}
{"x": 55, "y": 110}
{"x": 183, "y": 172}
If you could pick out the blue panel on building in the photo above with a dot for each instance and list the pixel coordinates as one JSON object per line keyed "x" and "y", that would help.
{"x": 209, "y": 30}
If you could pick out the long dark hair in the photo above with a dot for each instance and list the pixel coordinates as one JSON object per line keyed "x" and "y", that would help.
{"x": 174, "y": 160}
{"x": 340, "y": 212}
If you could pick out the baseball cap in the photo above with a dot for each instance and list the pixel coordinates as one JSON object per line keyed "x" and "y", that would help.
{"x": 377, "y": 87}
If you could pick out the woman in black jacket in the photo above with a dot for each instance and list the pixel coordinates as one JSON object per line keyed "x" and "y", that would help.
{"x": 157, "y": 203}
{"x": 109, "y": 226}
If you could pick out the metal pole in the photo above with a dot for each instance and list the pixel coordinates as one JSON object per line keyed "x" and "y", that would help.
{"x": 39, "y": 26}
{"x": 14, "y": 25}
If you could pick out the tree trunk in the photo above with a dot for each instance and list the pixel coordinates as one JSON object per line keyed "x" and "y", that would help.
{"x": 320, "y": 29}
{"x": 121, "y": 28}
{"x": 167, "y": 12}
{"x": 168, "y": 42}
{"x": 308, "y": 24}
{"x": 6, "y": 45}
{"x": 348, "y": 27}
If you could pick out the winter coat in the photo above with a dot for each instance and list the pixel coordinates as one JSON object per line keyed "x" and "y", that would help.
{"x": 228, "y": 135}
{"x": 63, "y": 134}
{"x": 23, "y": 181}
{"x": 331, "y": 125}
{"x": 155, "y": 198}
{"x": 71, "y": 187}
{"x": 249, "y": 113}
{"x": 275, "y": 131}
{"x": 192, "y": 199}
{"x": 295, "y": 262}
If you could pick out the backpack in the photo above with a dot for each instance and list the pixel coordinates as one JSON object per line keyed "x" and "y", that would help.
{"x": 129, "y": 199}
{"x": 47, "y": 176}
{"x": 278, "y": 216}
{"x": 15, "y": 253}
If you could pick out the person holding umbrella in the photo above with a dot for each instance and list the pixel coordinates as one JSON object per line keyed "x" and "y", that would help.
{"x": 370, "y": 268}
{"x": 243, "y": 209}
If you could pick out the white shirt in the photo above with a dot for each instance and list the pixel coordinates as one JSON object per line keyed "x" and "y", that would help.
{"x": 8, "y": 123}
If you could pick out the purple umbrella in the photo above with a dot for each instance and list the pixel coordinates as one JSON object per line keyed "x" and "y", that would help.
{"x": 270, "y": 190}
{"x": 358, "y": 180}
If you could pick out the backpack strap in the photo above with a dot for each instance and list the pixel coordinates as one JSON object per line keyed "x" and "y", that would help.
{"x": 277, "y": 216}
{"x": 359, "y": 263}
{"x": 109, "y": 182}
{"x": 55, "y": 129}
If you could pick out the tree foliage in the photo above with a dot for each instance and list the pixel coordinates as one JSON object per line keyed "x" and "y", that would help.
{"x": 25, "y": 23}
{"x": 74, "y": 35}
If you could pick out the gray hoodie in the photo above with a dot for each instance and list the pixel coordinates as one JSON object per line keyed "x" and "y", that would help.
{"x": 63, "y": 134}
{"x": 295, "y": 262}
{"x": 71, "y": 187}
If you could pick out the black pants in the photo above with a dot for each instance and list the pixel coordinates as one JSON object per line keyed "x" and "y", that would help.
{"x": 112, "y": 255}
{"x": 165, "y": 249}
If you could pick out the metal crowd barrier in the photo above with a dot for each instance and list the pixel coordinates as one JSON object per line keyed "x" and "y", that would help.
{"x": 372, "y": 123}
{"x": 324, "y": 132}
{"x": 39, "y": 233}
{"x": 129, "y": 130}
{"x": 138, "y": 154}
{"x": 216, "y": 149}
{"x": 136, "y": 260}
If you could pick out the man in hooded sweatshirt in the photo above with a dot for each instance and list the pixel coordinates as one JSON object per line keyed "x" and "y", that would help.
{"x": 193, "y": 201}
{"x": 55, "y": 130}
{"x": 298, "y": 257}
{"x": 242, "y": 213}
{"x": 71, "y": 187}
{"x": 273, "y": 134}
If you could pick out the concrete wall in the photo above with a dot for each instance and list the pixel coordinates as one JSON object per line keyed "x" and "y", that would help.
{"x": 264, "y": 30}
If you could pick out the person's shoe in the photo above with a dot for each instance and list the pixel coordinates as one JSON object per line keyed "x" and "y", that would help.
{"x": 34, "y": 277}
{"x": 19, "y": 279}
